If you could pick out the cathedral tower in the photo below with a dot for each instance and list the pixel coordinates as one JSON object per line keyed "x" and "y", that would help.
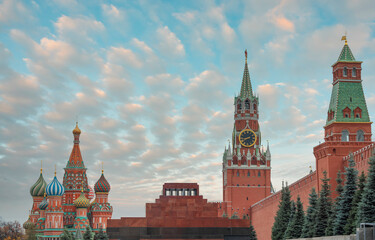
{"x": 246, "y": 168}
{"x": 348, "y": 126}
{"x": 74, "y": 180}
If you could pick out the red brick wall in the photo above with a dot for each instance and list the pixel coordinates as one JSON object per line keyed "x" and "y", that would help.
{"x": 263, "y": 212}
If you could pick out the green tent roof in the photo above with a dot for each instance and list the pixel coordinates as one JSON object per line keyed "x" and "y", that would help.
{"x": 346, "y": 54}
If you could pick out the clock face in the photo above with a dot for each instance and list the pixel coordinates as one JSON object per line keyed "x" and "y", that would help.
{"x": 247, "y": 137}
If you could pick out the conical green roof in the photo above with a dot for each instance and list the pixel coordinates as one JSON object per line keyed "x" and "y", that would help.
{"x": 346, "y": 54}
{"x": 246, "y": 89}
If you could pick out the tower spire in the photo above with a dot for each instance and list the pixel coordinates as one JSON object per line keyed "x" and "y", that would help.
{"x": 246, "y": 89}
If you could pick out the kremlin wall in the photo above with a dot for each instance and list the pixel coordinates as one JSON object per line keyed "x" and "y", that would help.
{"x": 248, "y": 195}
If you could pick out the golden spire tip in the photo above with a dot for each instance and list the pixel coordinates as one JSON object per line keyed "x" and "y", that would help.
{"x": 55, "y": 170}
{"x": 41, "y": 166}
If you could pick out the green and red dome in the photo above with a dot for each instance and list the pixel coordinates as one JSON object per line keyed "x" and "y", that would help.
{"x": 39, "y": 187}
{"x": 102, "y": 185}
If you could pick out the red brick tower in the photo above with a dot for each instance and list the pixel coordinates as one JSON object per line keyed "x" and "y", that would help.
{"x": 74, "y": 178}
{"x": 246, "y": 169}
{"x": 348, "y": 126}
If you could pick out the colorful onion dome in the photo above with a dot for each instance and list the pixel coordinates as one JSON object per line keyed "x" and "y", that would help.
{"x": 28, "y": 224}
{"x": 55, "y": 188}
{"x": 102, "y": 184}
{"x": 91, "y": 193}
{"x": 43, "y": 204}
{"x": 82, "y": 201}
{"x": 76, "y": 130}
{"x": 39, "y": 188}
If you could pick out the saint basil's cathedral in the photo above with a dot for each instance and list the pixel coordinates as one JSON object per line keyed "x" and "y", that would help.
{"x": 57, "y": 206}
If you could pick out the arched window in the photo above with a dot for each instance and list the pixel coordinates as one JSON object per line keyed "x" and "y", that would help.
{"x": 255, "y": 106}
{"x": 238, "y": 173}
{"x": 345, "y": 71}
{"x": 360, "y": 136}
{"x": 258, "y": 173}
{"x": 248, "y": 173}
{"x": 354, "y": 72}
{"x": 345, "y": 136}
{"x": 239, "y": 105}
{"x": 247, "y": 104}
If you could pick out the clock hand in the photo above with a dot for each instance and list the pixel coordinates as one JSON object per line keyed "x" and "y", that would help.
{"x": 245, "y": 138}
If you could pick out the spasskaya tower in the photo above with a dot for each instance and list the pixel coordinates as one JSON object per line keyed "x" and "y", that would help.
{"x": 246, "y": 166}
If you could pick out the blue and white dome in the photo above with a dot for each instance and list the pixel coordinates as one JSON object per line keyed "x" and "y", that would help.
{"x": 55, "y": 188}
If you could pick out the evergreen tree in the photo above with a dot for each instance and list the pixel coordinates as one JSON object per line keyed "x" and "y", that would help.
{"x": 101, "y": 235}
{"x": 88, "y": 234}
{"x": 296, "y": 223}
{"x": 332, "y": 217}
{"x": 253, "y": 234}
{"x": 350, "y": 226}
{"x": 66, "y": 235}
{"x": 309, "y": 224}
{"x": 288, "y": 232}
{"x": 324, "y": 208}
{"x": 366, "y": 209}
{"x": 282, "y": 216}
{"x": 346, "y": 200}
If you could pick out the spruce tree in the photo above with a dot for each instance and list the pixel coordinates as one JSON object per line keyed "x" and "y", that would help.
{"x": 296, "y": 223}
{"x": 366, "y": 210}
{"x": 253, "y": 234}
{"x": 346, "y": 200}
{"x": 88, "y": 234}
{"x": 101, "y": 235}
{"x": 332, "y": 217}
{"x": 66, "y": 235}
{"x": 324, "y": 208}
{"x": 282, "y": 215}
{"x": 309, "y": 224}
{"x": 350, "y": 226}
{"x": 288, "y": 232}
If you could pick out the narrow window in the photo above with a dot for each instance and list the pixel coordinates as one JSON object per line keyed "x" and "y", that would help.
{"x": 354, "y": 72}
{"x": 258, "y": 173}
{"x": 239, "y": 105}
{"x": 357, "y": 115}
{"x": 346, "y": 115}
{"x": 345, "y": 136}
{"x": 238, "y": 174}
{"x": 351, "y": 100}
{"x": 247, "y": 104}
{"x": 248, "y": 173}
{"x": 360, "y": 136}
{"x": 345, "y": 71}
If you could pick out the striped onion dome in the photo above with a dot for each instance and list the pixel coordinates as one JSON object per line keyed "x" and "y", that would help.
{"x": 82, "y": 201}
{"x": 91, "y": 193}
{"x": 55, "y": 188}
{"x": 28, "y": 224}
{"x": 102, "y": 184}
{"x": 39, "y": 187}
{"x": 43, "y": 204}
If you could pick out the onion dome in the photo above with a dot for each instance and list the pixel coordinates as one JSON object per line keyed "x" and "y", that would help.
{"x": 76, "y": 130}
{"x": 82, "y": 201}
{"x": 55, "y": 188}
{"x": 91, "y": 193}
{"x": 39, "y": 188}
{"x": 43, "y": 204}
{"x": 28, "y": 224}
{"x": 102, "y": 184}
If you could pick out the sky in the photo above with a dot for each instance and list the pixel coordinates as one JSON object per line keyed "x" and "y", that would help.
{"x": 152, "y": 83}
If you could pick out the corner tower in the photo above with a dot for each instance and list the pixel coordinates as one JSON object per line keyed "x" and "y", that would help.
{"x": 348, "y": 126}
{"x": 246, "y": 167}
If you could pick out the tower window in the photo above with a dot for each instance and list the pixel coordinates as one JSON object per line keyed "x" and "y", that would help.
{"x": 238, "y": 174}
{"x": 346, "y": 115}
{"x": 247, "y": 104}
{"x": 239, "y": 105}
{"x": 354, "y": 72}
{"x": 258, "y": 173}
{"x": 248, "y": 173}
{"x": 360, "y": 136}
{"x": 345, "y": 71}
{"x": 345, "y": 136}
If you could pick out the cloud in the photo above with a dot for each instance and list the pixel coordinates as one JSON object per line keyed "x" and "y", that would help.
{"x": 123, "y": 56}
{"x": 168, "y": 43}
{"x": 78, "y": 30}
{"x": 13, "y": 12}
